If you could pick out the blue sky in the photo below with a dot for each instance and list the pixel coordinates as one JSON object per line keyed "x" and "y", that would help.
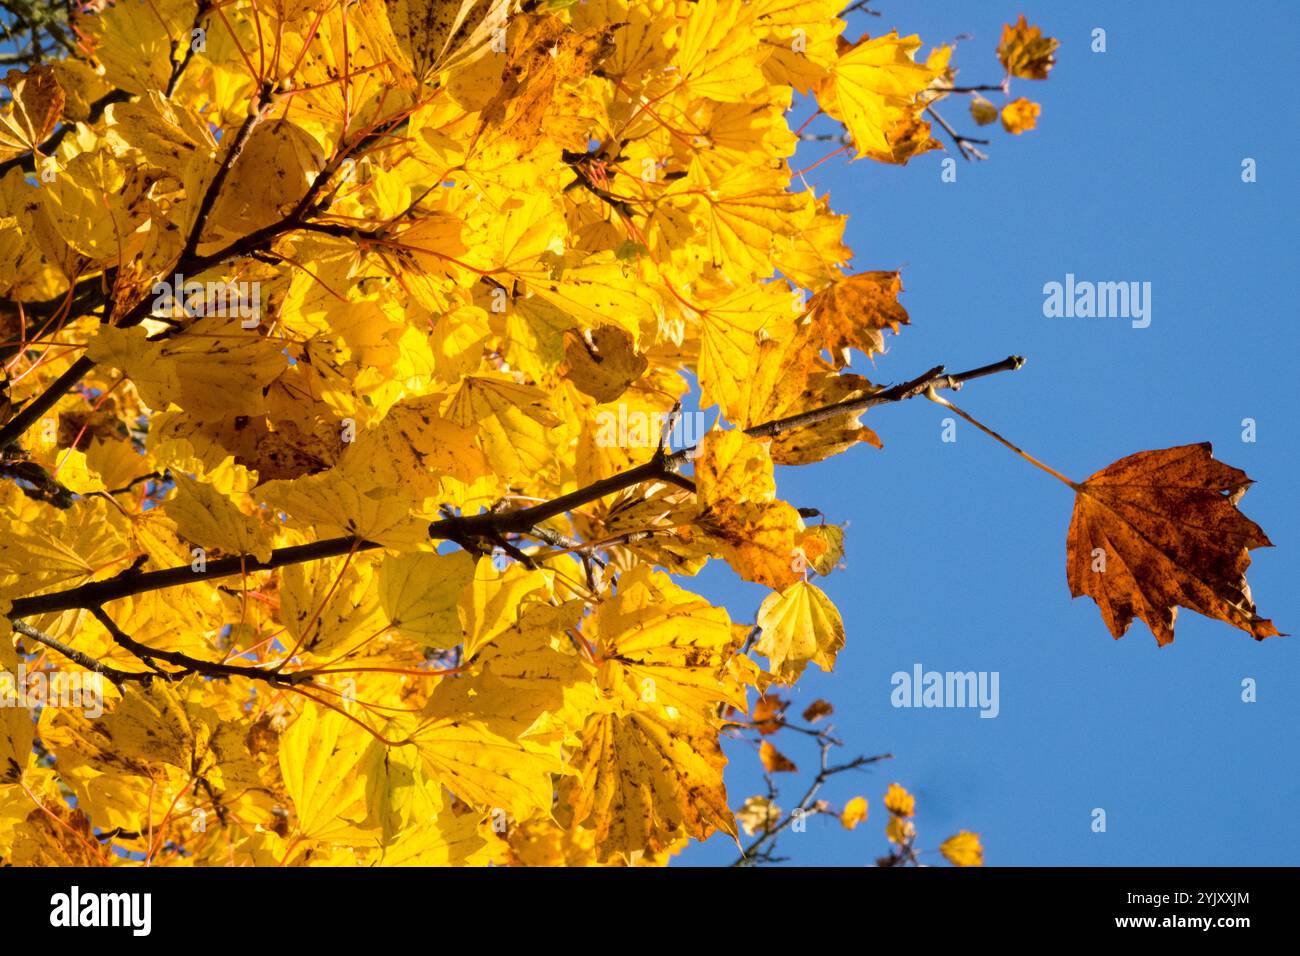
{"x": 956, "y": 551}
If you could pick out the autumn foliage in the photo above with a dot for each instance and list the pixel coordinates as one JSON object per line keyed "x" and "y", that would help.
{"x": 315, "y": 315}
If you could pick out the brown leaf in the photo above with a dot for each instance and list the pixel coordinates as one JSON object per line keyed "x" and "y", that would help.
{"x": 1158, "y": 530}
{"x": 1025, "y": 52}
{"x": 774, "y": 761}
{"x": 817, "y": 710}
{"x": 855, "y": 312}
{"x": 768, "y": 714}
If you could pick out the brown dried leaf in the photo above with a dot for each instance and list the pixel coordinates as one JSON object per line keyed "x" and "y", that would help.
{"x": 1158, "y": 530}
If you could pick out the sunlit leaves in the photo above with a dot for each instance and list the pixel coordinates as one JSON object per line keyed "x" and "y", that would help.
{"x": 874, "y": 86}
{"x": 344, "y": 272}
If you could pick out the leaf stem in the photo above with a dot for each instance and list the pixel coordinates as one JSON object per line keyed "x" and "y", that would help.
{"x": 935, "y": 397}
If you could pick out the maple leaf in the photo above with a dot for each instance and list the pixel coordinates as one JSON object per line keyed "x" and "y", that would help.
{"x": 799, "y": 624}
{"x": 873, "y": 86}
{"x": 855, "y": 312}
{"x": 1158, "y": 530}
{"x": 33, "y": 110}
{"x": 640, "y": 780}
{"x": 1025, "y": 52}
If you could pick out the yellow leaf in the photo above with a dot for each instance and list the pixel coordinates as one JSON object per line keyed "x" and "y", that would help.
{"x": 414, "y": 446}
{"x": 330, "y": 605}
{"x": 963, "y": 849}
{"x": 420, "y": 591}
{"x": 757, "y": 815}
{"x": 982, "y": 111}
{"x": 799, "y": 624}
{"x": 33, "y": 110}
{"x": 511, "y": 419}
{"x": 335, "y": 505}
{"x": 321, "y": 758}
{"x": 495, "y": 600}
{"x": 485, "y": 769}
{"x": 874, "y": 85}
{"x": 855, "y": 312}
{"x": 1020, "y": 115}
{"x": 206, "y": 517}
{"x": 1025, "y": 52}
{"x": 605, "y": 365}
{"x": 899, "y": 830}
{"x": 854, "y": 812}
{"x": 641, "y": 781}
{"x": 719, "y": 53}
{"x": 16, "y": 727}
{"x": 899, "y": 802}
{"x": 154, "y": 723}
{"x": 662, "y": 649}
{"x": 758, "y": 535}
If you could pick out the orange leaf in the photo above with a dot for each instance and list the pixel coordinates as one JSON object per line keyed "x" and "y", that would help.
{"x": 1025, "y": 52}
{"x": 1020, "y": 115}
{"x": 774, "y": 761}
{"x": 1158, "y": 530}
{"x": 855, "y": 311}
{"x": 769, "y": 713}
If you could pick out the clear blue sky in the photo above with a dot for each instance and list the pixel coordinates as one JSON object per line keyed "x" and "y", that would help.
{"x": 956, "y": 552}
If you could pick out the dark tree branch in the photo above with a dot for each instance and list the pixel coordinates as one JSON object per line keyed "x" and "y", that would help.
{"x": 481, "y": 531}
{"x": 192, "y": 665}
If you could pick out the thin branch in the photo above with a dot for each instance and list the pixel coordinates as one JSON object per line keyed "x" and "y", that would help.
{"x": 963, "y": 143}
{"x": 192, "y": 665}
{"x": 256, "y": 111}
{"x": 118, "y": 677}
{"x": 759, "y": 848}
{"x": 487, "y": 529}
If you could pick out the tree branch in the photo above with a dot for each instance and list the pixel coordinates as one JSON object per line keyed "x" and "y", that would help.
{"x": 488, "y": 527}
{"x": 118, "y": 677}
{"x": 758, "y": 849}
{"x": 193, "y": 665}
